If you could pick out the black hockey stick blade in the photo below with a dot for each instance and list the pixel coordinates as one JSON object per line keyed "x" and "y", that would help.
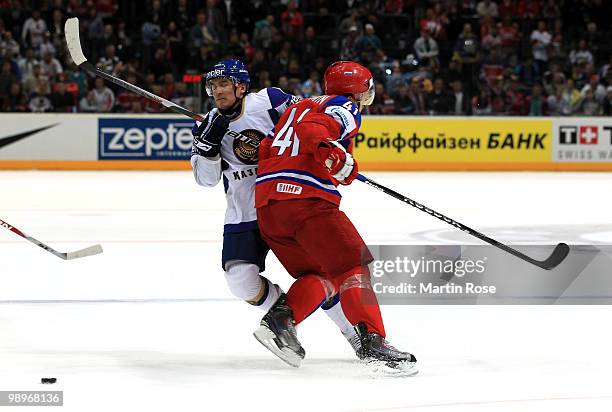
{"x": 558, "y": 255}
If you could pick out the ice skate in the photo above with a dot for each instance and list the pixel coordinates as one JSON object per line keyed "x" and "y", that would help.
{"x": 382, "y": 357}
{"x": 277, "y": 333}
{"x": 354, "y": 340}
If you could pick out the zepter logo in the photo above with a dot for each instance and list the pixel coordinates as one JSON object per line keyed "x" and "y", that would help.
{"x": 215, "y": 73}
{"x": 247, "y": 153}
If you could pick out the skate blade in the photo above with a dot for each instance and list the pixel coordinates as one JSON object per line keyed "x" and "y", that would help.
{"x": 379, "y": 368}
{"x": 266, "y": 338}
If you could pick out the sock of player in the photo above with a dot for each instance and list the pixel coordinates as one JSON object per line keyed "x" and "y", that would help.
{"x": 270, "y": 294}
{"x": 359, "y": 302}
{"x": 306, "y": 295}
{"x": 333, "y": 310}
{"x": 246, "y": 283}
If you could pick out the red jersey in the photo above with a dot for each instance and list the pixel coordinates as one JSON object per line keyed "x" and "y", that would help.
{"x": 287, "y": 168}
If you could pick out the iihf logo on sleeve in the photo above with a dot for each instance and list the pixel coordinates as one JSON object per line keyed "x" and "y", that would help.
{"x": 288, "y": 188}
{"x": 143, "y": 139}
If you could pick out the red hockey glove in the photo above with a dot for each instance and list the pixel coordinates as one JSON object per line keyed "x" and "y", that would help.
{"x": 341, "y": 164}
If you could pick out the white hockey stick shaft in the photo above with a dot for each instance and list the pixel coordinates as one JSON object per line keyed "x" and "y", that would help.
{"x": 92, "y": 250}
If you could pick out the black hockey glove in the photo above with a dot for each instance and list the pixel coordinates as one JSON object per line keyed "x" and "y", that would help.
{"x": 207, "y": 137}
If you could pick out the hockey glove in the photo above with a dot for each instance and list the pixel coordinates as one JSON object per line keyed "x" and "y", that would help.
{"x": 208, "y": 135}
{"x": 341, "y": 164}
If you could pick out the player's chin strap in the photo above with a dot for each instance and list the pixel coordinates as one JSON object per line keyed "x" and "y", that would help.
{"x": 235, "y": 110}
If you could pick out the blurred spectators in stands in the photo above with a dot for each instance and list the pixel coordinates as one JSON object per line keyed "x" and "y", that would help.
{"x": 103, "y": 97}
{"x": 487, "y": 8}
{"x": 50, "y": 67}
{"x": 439, "y": 101}
{"x": 536, "y": 103}
{"x": 570, "y": 98}
{"x": 33, "y": 31}
{"x": 383, "y": 103}
{"x": 15, "y": 101}
{"x": 61, "y": 100}
{"x": 481, "y": 104}
{"x": 9, "y": 48}
{"x": 427, "y": 50}
{"x": 31, "y": 82}
{"x": 292, "y": 21}
{"x": 87, "y": 104}
{"x": 417, "y": 95}
{"x": 312, "y": 86}
{"x": 581, "y": 54}
{"x": 467, "y": 50}
{"x": 110, "y": 63}
{"x": 540, "y": 42}
{"x": 368, "y": 43}
{"x": 589, "y": 106}
{"x": 348, "y": 51}
{"x": 39, "y": 100}
{"x": 403, "y": 103}
{"x": 492, "y": 40}
{"x": 461, "y": 101}
{"x": 554, "y": 102}
{"x": 488, "y": 57}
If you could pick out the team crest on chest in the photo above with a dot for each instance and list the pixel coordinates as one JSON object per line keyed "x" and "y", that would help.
{"x": 245, "y": 152}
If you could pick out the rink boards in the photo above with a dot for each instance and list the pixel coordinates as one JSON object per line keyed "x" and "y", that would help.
{"x": 400, "y": 143}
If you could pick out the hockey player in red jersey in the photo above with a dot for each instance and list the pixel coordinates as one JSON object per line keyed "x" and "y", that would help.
{"x": 301, "y": 163}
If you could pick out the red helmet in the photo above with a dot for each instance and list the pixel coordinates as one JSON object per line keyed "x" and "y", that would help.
{"x": 350, "y": 78}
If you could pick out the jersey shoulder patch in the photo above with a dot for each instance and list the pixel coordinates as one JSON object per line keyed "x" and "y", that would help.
{"x": 278, "y": 97}
{"x": 337, "y": 101}
{"x": 346, "y": 113}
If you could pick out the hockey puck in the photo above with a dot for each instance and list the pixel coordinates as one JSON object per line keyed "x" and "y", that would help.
{"x": 48, "y": 380}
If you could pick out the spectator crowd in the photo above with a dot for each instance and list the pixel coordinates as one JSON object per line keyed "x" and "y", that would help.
{"x": 428, "y": 57}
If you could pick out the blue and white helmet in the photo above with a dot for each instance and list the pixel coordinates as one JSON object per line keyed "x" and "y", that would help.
{"x": 232, "y": 69}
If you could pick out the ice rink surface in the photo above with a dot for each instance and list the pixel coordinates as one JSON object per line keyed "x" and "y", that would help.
{"x": 149, "y": 325}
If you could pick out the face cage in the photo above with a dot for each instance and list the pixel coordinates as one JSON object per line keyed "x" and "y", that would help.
{"x": 366, "y": 98}
{"x": 208, "y": 86}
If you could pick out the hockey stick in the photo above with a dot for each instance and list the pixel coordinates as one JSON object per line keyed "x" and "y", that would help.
{"x": 92, "y": 250}
{"x": 73, "y": 41}
{"x": 558, "y": 255}
{"x": 74, "y": 47}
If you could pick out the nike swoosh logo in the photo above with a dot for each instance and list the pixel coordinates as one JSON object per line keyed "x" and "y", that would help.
{"x": 5, "y": 141}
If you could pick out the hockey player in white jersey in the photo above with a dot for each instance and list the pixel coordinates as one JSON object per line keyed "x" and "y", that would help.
{"x": 220, "y": 154}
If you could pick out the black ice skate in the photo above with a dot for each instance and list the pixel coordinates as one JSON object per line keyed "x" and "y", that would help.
{"x": 277, "y": 333}
{"x": 383, "y": 357}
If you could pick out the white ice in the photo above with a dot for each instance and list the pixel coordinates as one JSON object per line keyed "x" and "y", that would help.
{"x": 149, "y": 325}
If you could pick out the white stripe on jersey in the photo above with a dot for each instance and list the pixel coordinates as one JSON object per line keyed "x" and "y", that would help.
{"x": 297, "y": 176}
{"x": 345, "y": 119}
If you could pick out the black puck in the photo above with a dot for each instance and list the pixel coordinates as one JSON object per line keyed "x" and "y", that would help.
{"x": 48, "y": 380}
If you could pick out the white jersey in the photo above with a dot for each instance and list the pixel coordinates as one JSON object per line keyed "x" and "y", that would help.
{"x": 238, "y": 163}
